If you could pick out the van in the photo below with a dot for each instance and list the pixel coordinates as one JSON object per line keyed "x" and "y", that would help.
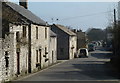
{"x": 83, "y": 52}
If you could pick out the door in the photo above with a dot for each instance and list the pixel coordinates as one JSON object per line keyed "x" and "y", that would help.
{"x": 52, "y": 56}
{"x": 40, "y": 57}
{"x": 18, "y": 63}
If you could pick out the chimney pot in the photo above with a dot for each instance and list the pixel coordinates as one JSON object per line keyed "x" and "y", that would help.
{"x": 23, "y": 3}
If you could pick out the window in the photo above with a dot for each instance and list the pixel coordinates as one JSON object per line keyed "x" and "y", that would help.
{"x": 24, "y": 31}
{"x": 17, "y": 36}
{"x": 45, "y": 50}
{"x": 36, "y": 56}
{"x": 36, "y": 32}
{"x": 45, "y": 32}
{"x": 6, "y": 59}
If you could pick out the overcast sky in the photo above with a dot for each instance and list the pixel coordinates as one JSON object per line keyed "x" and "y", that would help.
{"x": 79, "y": 15}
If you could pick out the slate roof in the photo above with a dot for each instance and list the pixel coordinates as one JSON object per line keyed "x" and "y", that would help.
{"x": 52, "y": 34}
{"x": 66, "y": 30}
{"x": 26, "y": 13}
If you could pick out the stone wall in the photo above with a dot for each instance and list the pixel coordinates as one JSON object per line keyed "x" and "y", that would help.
{"x": 81, "y": 40}
{"x": 38, "y": 46}
{"x": 62, "y": 48}
{"x": 6, "y": 59}
{"x": 41, "y": 51}
{"x": 22, "y": 45}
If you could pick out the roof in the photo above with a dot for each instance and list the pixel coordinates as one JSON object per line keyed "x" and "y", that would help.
{"x": 26, "y": 13}
{"x": 66, "y": 30}
{"x": 52, "y": 34}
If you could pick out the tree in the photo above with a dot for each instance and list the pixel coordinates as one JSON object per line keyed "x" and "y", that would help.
{"x": 95, "y": 34}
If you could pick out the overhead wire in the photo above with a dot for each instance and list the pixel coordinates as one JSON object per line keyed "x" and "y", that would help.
{"x": 69, "y": 18}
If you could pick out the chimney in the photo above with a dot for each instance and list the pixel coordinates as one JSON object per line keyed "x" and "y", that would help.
{"x": 24, "y": 3}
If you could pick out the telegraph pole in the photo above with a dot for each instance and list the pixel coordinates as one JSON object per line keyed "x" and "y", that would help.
{"x": 114, "y": 18}
{"x": 115, "y": 40}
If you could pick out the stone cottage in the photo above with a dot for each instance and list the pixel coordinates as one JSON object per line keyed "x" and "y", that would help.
{"x": 82, "y": 41}
{"x": 66, "y": 42}
{"x": 24, "y": 41}
{"x": 53, "y": 48}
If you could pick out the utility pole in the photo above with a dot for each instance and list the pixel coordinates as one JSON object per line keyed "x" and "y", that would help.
{"x": 114, "y": 18}
{"x": 115, "y": 41}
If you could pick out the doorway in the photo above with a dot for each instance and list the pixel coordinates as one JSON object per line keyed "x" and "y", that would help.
{"x": 40, "y": 53}
{"x": 52, "y": 56}
{"x": 18, "y": 63}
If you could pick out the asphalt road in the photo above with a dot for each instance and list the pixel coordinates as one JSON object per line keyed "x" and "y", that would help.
{"x": 80, "y": 69}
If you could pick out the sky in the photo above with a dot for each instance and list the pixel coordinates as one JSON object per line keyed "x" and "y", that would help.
{"x": 78, "y": 15}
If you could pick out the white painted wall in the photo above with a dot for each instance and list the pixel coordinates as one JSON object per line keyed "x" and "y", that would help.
{"x": 72, "y": 43}
{"x": 53, "y": 47}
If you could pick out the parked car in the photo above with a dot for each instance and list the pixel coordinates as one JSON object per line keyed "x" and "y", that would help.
{"x": 83, "y": 52}
{"x": 91, "y": 47}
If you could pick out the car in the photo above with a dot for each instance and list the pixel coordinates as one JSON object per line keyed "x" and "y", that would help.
{"x": 91, "y": 47}
{"x": 83, "y": 52}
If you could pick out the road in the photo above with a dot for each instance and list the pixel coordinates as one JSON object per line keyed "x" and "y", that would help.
{"x": 79, "y": 69}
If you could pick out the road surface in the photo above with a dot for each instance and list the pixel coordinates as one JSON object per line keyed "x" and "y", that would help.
{"x": 79, "y": 69}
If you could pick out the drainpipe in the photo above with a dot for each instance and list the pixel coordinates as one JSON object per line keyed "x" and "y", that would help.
{"x": 29, "y": 48}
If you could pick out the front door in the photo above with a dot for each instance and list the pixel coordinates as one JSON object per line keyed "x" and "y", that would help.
{"x": 40, "y": 57}
{"x": 52, "y": 56}
{"x": 18, "y": 63}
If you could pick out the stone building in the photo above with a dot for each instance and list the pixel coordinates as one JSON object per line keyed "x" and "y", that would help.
{"x": 24, "y": 42}
{"x": 6, "y": 57}
{"x": 81, "y": 39}
{"x": 53, "y": 48}
{"x": 66, "y": 42}
{"x": 39, "y": 46}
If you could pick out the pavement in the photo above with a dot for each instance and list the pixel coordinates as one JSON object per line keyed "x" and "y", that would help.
{"x": 93, "y": 68}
